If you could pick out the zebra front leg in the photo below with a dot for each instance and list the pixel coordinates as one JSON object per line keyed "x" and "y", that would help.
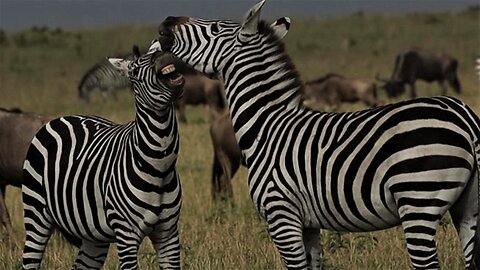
{"x": 167, "y": 246}
{"x": 127, "y": 245}
{"x": 91, "y": 255}
{"x": 286, "y": 231}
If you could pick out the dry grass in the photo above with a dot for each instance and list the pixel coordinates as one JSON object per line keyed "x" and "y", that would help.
{"x": 39, "y": 73}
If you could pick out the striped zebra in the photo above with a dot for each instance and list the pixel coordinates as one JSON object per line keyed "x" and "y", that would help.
{"x": 402, "y": 164}
{"x": 104, "y": 77}
{"x": 99, "y": 182}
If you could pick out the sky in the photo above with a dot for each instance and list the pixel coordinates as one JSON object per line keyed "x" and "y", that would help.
{"x": 79, "y": 14}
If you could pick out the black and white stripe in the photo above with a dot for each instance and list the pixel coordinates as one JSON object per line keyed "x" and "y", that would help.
{"x": 402, "y": 164}
{"x": 102, "y": 76}
{"x": 99, "y": 182}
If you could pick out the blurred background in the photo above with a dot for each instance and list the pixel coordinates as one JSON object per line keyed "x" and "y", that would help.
{"x": 46, "y": 48}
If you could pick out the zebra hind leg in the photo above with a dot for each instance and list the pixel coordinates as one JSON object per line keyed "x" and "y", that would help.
{"x": 464, "y": 216}
{"x": 167, "y": 245}
{"x": 311, "y": 239}
{"x": 38, "y": 229}
{"x": 91, "y": 255}
{"x": 420, "y": 236}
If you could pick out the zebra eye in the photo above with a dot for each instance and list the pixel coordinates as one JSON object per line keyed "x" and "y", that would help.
{"x": 214, "y": 28}
{"x": 134, "y": 72}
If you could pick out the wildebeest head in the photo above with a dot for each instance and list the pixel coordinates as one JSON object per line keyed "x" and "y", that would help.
{"x": 392, "y": 87}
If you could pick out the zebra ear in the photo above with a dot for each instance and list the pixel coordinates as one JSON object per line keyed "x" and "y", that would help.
{"x": 281, "y": 27}
{"x": 120, "y": 64}
{"x": 250, "y": 23}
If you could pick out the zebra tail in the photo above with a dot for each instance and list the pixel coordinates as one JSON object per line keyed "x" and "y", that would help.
{"x": 475, "y": 265}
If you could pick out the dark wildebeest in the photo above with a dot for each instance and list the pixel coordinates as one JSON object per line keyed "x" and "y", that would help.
{"x": 198, "y": 88}
{"x": 17, "y": 130}
{"x": 227, "y": 156}
{"x": 418, "y": 64}
{"x": 333, "y": 89}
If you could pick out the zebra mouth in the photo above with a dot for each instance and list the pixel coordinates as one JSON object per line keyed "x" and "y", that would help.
{"x": 174, "y": 78}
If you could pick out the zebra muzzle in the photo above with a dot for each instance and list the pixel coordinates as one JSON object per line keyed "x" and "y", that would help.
{"x": 173, "y": 76}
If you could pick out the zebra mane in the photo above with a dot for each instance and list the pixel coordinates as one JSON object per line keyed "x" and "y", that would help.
{"x": 265, "y": 29}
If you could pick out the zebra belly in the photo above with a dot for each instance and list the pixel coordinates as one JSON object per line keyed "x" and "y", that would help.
{"x": 77, "y": 206}
{"x": 72, "y": 178}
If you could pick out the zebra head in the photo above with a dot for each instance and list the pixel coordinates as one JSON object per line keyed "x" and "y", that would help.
{"x": 155, "y": 80}
{"x": 208, "y": 45}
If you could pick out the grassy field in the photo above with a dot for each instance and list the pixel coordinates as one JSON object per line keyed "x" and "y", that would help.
{"x": 40, "y": 69}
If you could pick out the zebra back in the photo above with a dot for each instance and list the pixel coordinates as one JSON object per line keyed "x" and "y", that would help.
{"x": 104, "y": 77}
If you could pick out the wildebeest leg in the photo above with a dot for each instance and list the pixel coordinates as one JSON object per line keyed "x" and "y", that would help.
{"x": 443, "y": 87}
{"x": 413, "y": 91}
{"x": 311, "y": 240}
{"x": 4, "y": 217}
{"x": 225, "y": 183}
{"x": 180, "y": 106}
{"x": 454, "y": 82}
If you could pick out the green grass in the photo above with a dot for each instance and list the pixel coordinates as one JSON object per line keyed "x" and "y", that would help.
{"x": 40, "y": 69}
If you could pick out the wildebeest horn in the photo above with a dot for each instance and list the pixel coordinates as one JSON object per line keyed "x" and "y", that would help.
{"x": 377, "y": 77}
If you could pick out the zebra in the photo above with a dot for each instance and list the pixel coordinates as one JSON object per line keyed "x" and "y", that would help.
{"x": 104, "y": 77}
{"x": 99, "y": 182}
{"x": 405, "y": 164}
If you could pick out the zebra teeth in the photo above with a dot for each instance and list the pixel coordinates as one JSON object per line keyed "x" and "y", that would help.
{"x": 168, "y": 69}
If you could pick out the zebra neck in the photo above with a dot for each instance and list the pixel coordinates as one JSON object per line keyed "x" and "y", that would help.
{"x": 258, "y": 90}
{"x": 155, "y": 143}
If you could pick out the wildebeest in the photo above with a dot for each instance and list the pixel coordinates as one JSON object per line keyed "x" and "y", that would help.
{"x": 17, "y": 129}
{"x": 227, "y": 156}
{"x": 333, "y": 89}
{"x": 419, "y": 64}
{"x": 198, "y": 88}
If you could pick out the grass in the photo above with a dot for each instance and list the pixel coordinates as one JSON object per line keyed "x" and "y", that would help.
{"x": 40, "y": 68}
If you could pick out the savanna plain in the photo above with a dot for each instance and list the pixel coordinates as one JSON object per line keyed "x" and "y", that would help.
{"x": 40, "y": 68}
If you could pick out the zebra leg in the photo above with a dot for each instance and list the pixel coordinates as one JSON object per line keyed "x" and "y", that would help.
{"x": 167, "y": 245}
{"x": 311, "y": 239}
{"x": 91, "y": 255}
{"x": 464, "y": 216}
{"x": 127, "y": 246}
{"x": 286, "y": 230}
{"x": 420, "y": 236}
{"x": 38, "y": 229}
